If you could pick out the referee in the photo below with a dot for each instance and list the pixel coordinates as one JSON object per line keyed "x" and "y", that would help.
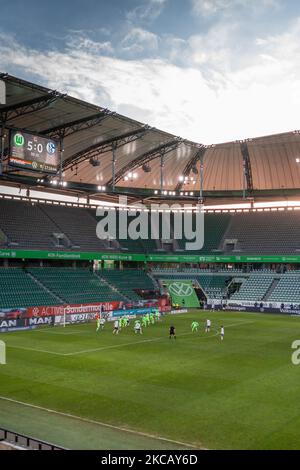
{"x": 172, "y": 332}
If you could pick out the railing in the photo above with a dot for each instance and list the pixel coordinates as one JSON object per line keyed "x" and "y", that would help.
{"x": 26, "y": 442}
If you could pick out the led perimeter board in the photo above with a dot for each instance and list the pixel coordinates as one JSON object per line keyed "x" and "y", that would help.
{"x": 33, "y": 152}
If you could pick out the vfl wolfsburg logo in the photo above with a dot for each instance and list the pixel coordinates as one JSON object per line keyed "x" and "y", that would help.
{"x": 181, "y": 289}
{"x": 19, "y": 140}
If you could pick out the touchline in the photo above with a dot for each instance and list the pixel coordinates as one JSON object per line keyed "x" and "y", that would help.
{"x": 156, "y": 222}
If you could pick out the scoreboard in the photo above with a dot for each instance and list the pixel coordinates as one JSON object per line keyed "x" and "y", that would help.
{"x": 33, "y": 152}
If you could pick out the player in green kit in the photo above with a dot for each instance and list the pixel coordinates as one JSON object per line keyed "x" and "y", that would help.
{"x": 97, "y": 317}
{"x": 157, "y": 314}
{"x": 144, "y": 321}
{"x": 152, "y": 320}
{"x": 194, "y": 326}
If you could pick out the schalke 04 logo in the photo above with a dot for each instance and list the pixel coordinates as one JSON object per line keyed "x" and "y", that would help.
{"x": 51, "y": 148}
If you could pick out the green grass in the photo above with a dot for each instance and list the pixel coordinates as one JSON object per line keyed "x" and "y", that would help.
{"x": 242, "y": 393}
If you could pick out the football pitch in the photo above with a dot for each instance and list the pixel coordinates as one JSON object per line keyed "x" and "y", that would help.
{"x": 85, "y": 390}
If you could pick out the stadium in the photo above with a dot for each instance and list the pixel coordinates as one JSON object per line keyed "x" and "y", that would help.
{"x": 65, "y": 384}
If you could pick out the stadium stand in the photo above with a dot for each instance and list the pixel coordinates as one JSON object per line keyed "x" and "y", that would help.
{"x": 77, "y": 224}
{"x": 18, "y": 289}
{"x": 275, "y": 232}
{"x": 287, "y": 290}
{"x": 75, "y": 285}
{"x": 140, "y": 245}
{"x": 52, "y": 285}
{"x": 46, "y": 226}
{"x": 214, "y": 286}
{"x": 254, "y": 288}
{"x": 263, "y": 285}
{"x": 128, "y": 280}
{"x": 215, "y": 226}
{"x": 25, "y": 225}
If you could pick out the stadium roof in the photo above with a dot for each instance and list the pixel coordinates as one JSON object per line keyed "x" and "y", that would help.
{"x": 91, "y": 132}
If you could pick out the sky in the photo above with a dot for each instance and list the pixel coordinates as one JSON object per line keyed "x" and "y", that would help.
{"x": 206, "y": 70}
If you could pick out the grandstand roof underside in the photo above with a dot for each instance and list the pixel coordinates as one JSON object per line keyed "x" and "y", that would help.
{"x": 91, "y": 131}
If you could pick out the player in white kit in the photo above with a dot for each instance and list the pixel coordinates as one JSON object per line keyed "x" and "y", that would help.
{"x": 208, "y": 325}
{"x": 116, "y": 327}
{"x": 102, "y": 322}
{"x": 138, "y": 327}
{"x": 222, "y": 332}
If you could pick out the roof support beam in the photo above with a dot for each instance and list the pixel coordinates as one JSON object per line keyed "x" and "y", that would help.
{"x": 113, "y": 165}
{"x": 105, "y": 146}
{"x": 248, "y": 182}
{"x": 7, "y": 113}
{"x": 199, "y": 155}
{"x": 2, "y": 140}
{"x": 162, "y": 170}
{"x": 70, "y": 128}
{"x": 201, "y": 175}
{"x": 147, "y": 157}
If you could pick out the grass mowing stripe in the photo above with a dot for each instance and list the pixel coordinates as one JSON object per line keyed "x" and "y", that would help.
{"x": 104, "y": 348}
{"x": 99, "y": 423}
{"x": 195, "y": 391}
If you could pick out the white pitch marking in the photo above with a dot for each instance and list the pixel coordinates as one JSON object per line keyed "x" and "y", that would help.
{"x": 85, "y": 351}
{"x": 99, "y": 423}
{"x": 111, "y": 347}
{"x": 46, "y": 330}
{"x": 35, "y": 349}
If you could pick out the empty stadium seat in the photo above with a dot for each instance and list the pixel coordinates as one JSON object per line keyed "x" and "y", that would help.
{"x": 76, "y": 285}
{"x": 254, "y": 288}
{"x": 274, "y": 232}
{"x": 18, "y": 289}
{"x": 40, "y": 226}
{"x": 127, "y": 280}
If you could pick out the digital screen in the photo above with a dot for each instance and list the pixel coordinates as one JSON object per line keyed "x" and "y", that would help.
{"x": 33, "y": 152}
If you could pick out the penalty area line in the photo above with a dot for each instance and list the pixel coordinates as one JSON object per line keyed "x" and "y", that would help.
{"x": 99, "y": 423}
{"x": 111, "y": 347}
{"x": 35, "y": 350}
{"x": 85, "y": 351}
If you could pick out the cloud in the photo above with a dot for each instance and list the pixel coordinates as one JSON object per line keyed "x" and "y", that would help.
{"x": 214, "y": 49}
{"x": 208, "y": 99}
{"x": 149, "y": 10}
{"x": 138, "y": 40}
{"x": 212, "y": 7}
{"x": 81, "y": 42}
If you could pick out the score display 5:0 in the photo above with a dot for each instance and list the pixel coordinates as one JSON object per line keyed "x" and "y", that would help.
{"x": 31, "y": 146}
{"x": 34, "y": 143}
